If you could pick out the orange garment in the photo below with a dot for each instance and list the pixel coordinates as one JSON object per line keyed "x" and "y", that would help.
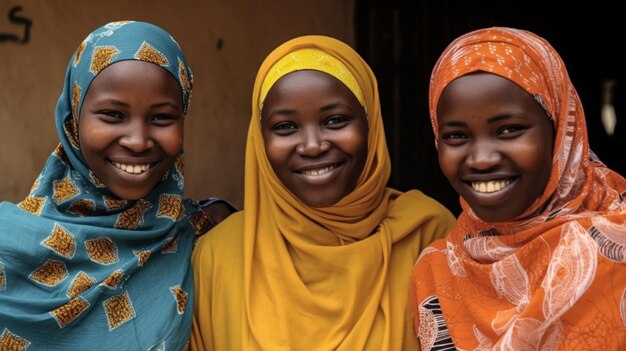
{"x": 555, "y": 277}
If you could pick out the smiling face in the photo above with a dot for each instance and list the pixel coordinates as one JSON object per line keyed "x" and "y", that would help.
{"x": 131, "y": 127}
{"x": 495, "y": 145}
{"x": 315, "y": 134}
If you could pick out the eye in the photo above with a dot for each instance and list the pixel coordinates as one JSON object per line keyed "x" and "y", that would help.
{"x": 511, "y": 131}
{"x": 284, "y": 128}
{"x": 111, "y": 116}
{"x": 337, "y": 122}
{"x": 453, "y": 138}
{"x": 164, "y": 120}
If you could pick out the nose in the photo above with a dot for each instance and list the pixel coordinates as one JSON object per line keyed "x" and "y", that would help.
{"x": 483, "y": 156}
{"x": 137, "y": 137}
{"x": 313, "y": 143}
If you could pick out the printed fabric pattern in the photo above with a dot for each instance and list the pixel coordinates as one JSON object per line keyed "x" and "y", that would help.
{"x": 80, "y": 268}
{"x": 555, "y": 277}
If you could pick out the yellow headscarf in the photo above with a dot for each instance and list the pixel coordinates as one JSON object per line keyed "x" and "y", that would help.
{"x": 333, "y": 278}
{"x": 303, "y": 263}
{"x": 313, "y": 59}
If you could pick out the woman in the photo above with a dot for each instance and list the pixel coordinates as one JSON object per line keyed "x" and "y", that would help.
{"x": 320, "y": 257}
{"x": 97, "y": 255}
{"x": 536, "y": 261}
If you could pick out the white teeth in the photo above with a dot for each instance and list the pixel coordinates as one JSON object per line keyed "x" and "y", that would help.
{"x": 318, "y": 172}
{"x": 132, "y": 169}
{"x": 491, "y": 186}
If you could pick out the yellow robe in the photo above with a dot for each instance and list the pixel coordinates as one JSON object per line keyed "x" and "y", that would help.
{"x": 220, "y": 319}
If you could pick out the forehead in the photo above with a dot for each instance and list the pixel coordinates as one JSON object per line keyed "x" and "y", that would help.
{"x": 485, "y": 92}
{"x": 306, "y": 80}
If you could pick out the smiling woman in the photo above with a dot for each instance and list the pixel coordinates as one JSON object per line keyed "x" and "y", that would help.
{"x": 315, "y": 134}
{"x": 321, "y": 254}
{"x": 131, "y": 127}
{"x": 97, "y": 255}
{"x": 536, "y": 261}
{"x": 490, "y": 131}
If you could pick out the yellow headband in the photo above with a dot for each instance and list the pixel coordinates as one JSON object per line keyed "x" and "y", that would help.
{"x": 314, "y": 59}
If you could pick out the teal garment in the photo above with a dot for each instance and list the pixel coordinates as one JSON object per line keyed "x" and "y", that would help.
{"x": 81, "y": 269}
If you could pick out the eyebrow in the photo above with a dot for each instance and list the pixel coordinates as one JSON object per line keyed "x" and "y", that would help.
{"x": 334, "y": 105}
{"x": 160, "y": 104}
{"x": 493, "y": 119}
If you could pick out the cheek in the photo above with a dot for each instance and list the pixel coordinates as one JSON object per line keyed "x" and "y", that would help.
{"x": 448, "y": 161}
{"x": 171, "y": 141}
{"x": 95, "y": 137}
{"x": 277, "y": 150}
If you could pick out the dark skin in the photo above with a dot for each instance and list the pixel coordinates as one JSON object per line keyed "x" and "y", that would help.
{"x": 495, "y": 145}
{"x": 315, "y": 134}
{"x": 131, "y": 129}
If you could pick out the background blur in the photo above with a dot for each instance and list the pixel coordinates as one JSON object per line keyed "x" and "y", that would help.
{"x": 226, "y": 41}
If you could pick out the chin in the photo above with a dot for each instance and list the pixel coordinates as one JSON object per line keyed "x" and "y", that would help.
{"x": 131, "y": 196}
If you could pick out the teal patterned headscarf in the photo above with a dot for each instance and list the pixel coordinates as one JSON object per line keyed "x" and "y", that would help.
{"x": 81, "y": 269}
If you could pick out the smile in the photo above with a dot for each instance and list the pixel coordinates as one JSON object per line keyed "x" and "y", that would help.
{"x": 491, "y": 186}
{"x": 132, "y": 169}
{"x": 318, "y": 172}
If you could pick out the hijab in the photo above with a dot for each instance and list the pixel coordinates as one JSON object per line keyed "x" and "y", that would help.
{"x": 321, "y": 277}
{"x": 81, "y": 268}
{"x": 541, "y": 280}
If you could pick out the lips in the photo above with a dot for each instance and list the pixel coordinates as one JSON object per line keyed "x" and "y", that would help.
{"x": 130, "y": 168}
{"x": 319, "y": 174}
{"x": 318, "y": 171}
{"x": 490, "y": 186}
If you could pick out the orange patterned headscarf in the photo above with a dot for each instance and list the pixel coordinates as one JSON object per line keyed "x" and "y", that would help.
{"x": 556, "y": 277}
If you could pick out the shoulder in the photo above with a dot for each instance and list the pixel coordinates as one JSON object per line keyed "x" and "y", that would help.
{"x": 422, "y": 205}
{"x": 423, "y": 218}
{"x": 224, "y": 239}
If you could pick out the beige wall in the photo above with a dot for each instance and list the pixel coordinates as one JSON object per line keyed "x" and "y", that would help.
{"x": 31, "y": 75}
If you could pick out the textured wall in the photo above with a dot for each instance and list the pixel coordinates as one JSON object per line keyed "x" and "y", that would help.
{"x": 225, "y": 42}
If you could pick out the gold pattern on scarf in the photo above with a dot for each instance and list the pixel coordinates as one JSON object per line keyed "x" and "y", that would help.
{"x": 60, "y": 153}
{"x": 80, "y": 50}
{"x": 102, "y": 250}
{"x": 182, "y": 75}
{"x": 184, "y": 78}
{"x": 64, "y": 190}
{"x": 101, "y": 58}
{"x": 3, "y": 279}
{"x": 171, "y": 206}
{"x": 82, "y": 208}
{"x": 67, "y": 313}
{"x": 80, "y": 283}
{"x": 149, "y": 54}
{"x": 113, "y": 280}
{"x": 33, "y": 204}
{"x": 51, "y": 273}
{"x": 201, "y": 222}
{"x": 76, "y": 91}
{"x": 119, "y": 310}
{"x": 180, "y": 165}
{"x": 95, "y": 180}
{"x": 71, "y": 130}
{"x": 61, "y": 241}
{"x": 171, "y": 245}
{"x": 133, "y": 217}
{"x": 181, "y": 298}
{"x": 112, "y": 203}
{"x": 12, "y": 342}
{"x": 142, "y": 256}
